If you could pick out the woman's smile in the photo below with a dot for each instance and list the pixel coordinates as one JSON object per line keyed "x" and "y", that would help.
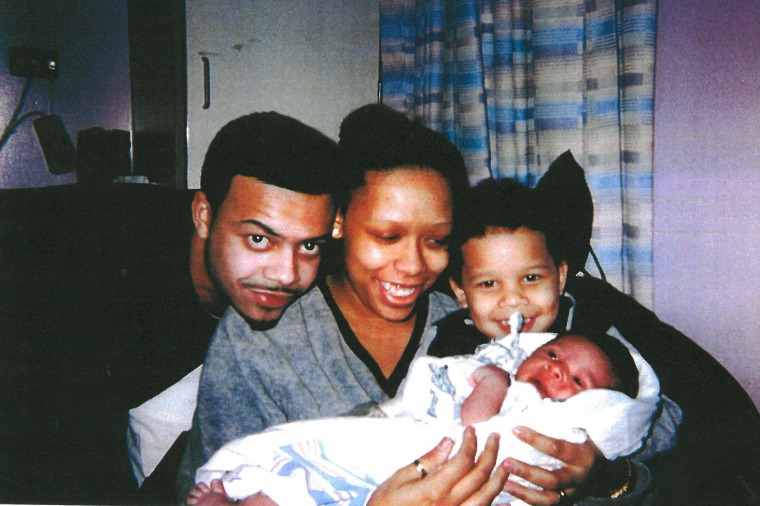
{"x": 400, "y": 295}
{"x": 394, "y": 233}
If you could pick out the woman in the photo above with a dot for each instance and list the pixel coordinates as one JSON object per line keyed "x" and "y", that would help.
{"x": 350, "y": 340}
{"x": 394, "y": 222}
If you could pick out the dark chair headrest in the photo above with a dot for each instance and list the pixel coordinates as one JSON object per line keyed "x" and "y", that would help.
{"x": 564, "y": 187}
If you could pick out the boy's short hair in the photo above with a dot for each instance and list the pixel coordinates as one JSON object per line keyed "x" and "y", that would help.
{"x": 622, "y": 365}
{"x": 275, "y": 149}
{"x": 375, "y": 137}
{"x": 504, "y": 204}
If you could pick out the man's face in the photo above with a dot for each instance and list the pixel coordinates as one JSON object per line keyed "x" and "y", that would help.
{"x": 264, "y": 246}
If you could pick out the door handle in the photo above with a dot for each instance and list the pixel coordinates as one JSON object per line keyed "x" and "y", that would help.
{"x": 206, "y": 82}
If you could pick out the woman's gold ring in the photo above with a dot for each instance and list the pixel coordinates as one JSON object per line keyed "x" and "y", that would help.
{"x": 562, "y": 496}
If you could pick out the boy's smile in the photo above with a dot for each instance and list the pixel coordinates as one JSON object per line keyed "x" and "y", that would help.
{"x": 506, "y": 271}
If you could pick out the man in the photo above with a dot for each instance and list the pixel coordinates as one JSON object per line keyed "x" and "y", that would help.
{"x": 109, "y": 295}
{"x": 261, "y": 219}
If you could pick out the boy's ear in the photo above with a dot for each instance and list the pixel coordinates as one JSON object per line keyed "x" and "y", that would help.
{"x": 562, "y": 276}
{"x": 337, "y": 231}
{"x": 458, "y": 292}
{"x": 201, "y": 211}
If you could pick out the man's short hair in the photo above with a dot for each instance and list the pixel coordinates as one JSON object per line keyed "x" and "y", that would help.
{"x": 273, "y": 148}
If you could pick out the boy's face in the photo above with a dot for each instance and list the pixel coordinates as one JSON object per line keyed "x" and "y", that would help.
{"x": 565, "y": 367}
{"x": 507, "y": 271}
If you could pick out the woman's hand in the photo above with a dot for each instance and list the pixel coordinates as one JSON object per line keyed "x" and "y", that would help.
{"x": 561, "y": 485}
{"x": 457, "y": 481}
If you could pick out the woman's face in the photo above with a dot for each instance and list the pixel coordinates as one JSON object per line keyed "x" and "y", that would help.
{"x": 395, "y": 232}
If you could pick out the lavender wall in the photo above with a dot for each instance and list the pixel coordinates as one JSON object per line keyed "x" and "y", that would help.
{"x": 707, "y": 178}
{"x": 92, "y": 88}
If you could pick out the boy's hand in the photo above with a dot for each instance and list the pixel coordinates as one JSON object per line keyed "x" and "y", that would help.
{"x": 579, "y": 460}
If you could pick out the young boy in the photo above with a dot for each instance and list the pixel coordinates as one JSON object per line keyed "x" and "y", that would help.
{"x": 505, "y": 259}
{"x": 514, "y": 249}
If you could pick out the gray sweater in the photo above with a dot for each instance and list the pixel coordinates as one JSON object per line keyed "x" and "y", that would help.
{"x": 303, "y": 368}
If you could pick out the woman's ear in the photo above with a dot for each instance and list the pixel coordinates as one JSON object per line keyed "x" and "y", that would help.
{"x": 562, "y": 276}
{"x": 337, "y": 231}
{"x": 458, "y": 293}
{"x": 201, "y": 211}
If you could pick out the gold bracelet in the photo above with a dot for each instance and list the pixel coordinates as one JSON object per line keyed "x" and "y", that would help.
{"x": 623, "y": 490}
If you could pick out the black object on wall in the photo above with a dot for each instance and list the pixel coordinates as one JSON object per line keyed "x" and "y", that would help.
{"x": 158, "y": 82}
{"x": 56, "y": 145}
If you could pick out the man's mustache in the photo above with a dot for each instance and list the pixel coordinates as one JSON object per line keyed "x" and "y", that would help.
{"x": 257, "y": 285}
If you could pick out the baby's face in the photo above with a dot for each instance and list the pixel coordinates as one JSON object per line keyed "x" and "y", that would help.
{"x": 507, "y": 271}
{"x": 565, "y": 367}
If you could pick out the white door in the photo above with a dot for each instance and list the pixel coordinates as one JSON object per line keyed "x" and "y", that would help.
{"x": 315, "y": 60}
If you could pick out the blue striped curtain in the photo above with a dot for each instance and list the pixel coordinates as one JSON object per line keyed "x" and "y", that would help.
{"x": 514, "y": 83}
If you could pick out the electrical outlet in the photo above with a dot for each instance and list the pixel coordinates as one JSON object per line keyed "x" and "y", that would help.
{"x": 31, "y": 62}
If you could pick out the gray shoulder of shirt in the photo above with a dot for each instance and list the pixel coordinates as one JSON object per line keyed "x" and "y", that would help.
{"x": 440, "y": 306}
